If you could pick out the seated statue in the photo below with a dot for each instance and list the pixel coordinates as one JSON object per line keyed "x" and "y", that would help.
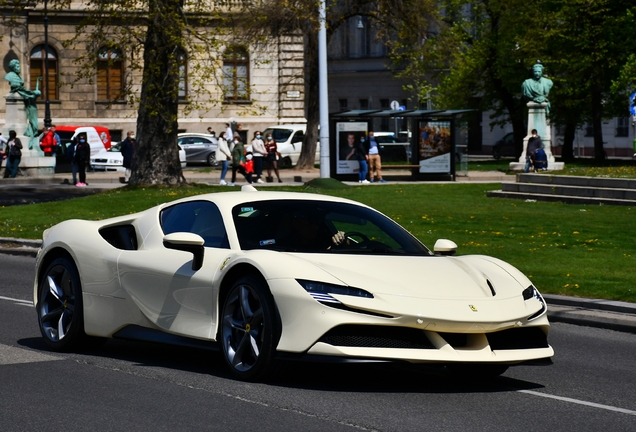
{"x": 17, "y": 86}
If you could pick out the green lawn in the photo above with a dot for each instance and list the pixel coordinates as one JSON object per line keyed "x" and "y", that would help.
{"x": 579, "y": 250}
{"x": 616, "y": 168}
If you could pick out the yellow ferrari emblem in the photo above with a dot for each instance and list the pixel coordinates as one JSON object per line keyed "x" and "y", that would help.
{"x": 472, "y": 308}
{"x": 247, "y": 328}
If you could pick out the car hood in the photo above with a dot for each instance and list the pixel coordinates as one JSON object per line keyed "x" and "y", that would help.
{"x": 427, "y": 277}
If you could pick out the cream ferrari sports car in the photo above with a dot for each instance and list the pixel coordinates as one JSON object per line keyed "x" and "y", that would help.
{"x": 265, "y": 276}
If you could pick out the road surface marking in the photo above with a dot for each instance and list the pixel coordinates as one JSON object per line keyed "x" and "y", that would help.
{"x": 580, "y": 402}
{"x": 13, "y": 355}
{"x": 19, "y": 301}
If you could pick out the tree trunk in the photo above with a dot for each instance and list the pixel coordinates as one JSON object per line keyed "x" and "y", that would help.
{"x": 312, "y": 102}
{"x": 597, "y": 120}
{"x": 567, "y": 153}
{"x": 156, "y": 156}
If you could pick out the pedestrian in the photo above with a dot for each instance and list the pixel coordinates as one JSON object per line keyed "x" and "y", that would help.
{"x": 362, "y": 157}
{"x": 238, "y": 161}
{"x": 229, "y": 134}
{"x": 70, "y": 155}
{"x": 534, "y": 143}
{"x": 210, "y": 131}
{"x": 272, "y": 157}
{"x": 127, "y": 149}
{"x": 81, "y": 157}
{"x": 50, "y": 141}
{"x": 13, "y": 152}
{"x": 259, "y": 153}
{"x": 375, "y": 161}
{"x": 223, "y": 155}
{"x": 3, "y": 142}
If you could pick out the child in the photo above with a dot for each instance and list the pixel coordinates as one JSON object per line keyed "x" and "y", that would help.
{"x": 248, "y": 166}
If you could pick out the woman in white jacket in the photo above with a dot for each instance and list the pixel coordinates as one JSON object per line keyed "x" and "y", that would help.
{"x": 223, "y": 155}
{"x": 259, "y": 153}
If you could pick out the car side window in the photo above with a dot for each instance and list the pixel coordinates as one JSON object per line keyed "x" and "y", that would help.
{"x": 298, "y": 137}
{"x": 197, "y": 217}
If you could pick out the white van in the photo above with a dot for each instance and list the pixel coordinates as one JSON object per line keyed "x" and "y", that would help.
{"x": 289, "y": 139}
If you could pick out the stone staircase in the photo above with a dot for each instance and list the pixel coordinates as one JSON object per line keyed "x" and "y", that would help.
{"x": 569, "y": 189}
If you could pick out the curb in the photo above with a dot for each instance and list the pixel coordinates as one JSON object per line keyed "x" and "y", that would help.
{"x": 599, "y": 313}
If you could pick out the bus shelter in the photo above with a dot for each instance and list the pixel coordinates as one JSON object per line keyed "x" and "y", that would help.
{"x": 434, "y": 142}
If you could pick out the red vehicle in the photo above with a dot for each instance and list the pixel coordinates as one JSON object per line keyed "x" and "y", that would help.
{"x": 98, "y": 138}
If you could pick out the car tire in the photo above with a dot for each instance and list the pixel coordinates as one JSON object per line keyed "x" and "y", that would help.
{"x": 496, "y": 153}
{"x": 60, "y": 306}
{"x": 250, "y": 329}
{"x": 212, "y": 159}
{"x": 285, "y": 162}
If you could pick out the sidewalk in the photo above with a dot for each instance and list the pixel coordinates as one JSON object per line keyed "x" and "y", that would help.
{"x": 607, "y": 314}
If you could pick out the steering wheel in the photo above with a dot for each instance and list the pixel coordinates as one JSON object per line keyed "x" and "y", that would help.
{"x": 349, "y": 235}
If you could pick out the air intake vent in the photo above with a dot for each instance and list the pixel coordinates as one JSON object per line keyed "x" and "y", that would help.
{"x": 376, "y": 337}
{"x": 518, "y": 338}
{"x": 492, "y": 288}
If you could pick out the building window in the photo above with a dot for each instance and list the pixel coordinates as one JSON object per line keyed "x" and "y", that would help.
{"x": 622, "y": 127}
{"x": 37, "y": 70}
{"x": 364, "y": 104}
{"x": 342, "y": 103}
{"x": 560, "y": 130}
{"x": 236, "y": 74}
{"x": 110, "y": 75}
{"x": 589, "y": 130}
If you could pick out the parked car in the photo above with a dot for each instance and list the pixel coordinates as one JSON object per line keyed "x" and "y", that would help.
{"x": 199, "y": 148}
{"x": 289, "y": 139}
{"x": 504, "y": 147}
{"x": 264, "y": 274}
{"x": 113, "y": 160}
{"x": 98, "y": 138}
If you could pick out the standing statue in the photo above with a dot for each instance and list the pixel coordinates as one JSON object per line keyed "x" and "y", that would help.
{"x": 29, "y": 96}
{"x": 537, "y": 88}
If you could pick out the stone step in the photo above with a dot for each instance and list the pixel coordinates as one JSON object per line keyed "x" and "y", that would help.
{"x": 568, "y": 199}
{"x": 581, "y": 191}
{"x": 594, "y": 182}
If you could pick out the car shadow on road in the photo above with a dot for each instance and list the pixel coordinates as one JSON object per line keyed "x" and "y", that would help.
{"x": 348, "y": 377}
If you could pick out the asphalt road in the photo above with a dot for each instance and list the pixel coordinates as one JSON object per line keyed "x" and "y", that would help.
{"x": 143, "y": 387}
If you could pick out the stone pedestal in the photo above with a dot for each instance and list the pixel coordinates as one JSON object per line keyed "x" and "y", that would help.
{"x": 537, "y": 120}
{"x": 33, "y": 162}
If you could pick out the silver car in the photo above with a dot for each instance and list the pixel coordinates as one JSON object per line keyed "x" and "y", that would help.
{"x": 199, "y": 148}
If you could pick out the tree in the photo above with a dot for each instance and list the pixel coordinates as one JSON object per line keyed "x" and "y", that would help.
{"x": 158, "y": 38}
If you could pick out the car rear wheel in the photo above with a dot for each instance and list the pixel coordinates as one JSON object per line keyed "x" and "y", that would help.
{"x": 496, "y": 153}
{"x": 59, "y": 307}
{"x": 249, "y": 329}
{"x": 285, "y": 162}
{"x": 212, "y": 159}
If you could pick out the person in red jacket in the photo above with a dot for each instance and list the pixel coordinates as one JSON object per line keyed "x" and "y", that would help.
{"x": 50, "y": 141}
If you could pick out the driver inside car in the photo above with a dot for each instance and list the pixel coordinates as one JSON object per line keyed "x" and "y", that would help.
{"x": 309, "y": 232}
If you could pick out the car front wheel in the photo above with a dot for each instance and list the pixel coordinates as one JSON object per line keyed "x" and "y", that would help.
{"x": 59, "y": 308}
{"x": 249, "y": 329}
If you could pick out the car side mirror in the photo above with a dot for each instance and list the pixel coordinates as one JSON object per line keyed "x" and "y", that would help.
{"x": 187, "y": 242}
{"x": 445, "y": 247}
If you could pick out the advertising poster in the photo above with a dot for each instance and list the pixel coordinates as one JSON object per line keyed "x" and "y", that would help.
{"x": 434, "y": 147}
{"x": 348, "y": 137}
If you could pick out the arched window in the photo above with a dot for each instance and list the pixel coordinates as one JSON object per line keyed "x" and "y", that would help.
{"x": 37, "y": 70}
{"x": 236, "y": 74}
{"x": 110, "y": 75}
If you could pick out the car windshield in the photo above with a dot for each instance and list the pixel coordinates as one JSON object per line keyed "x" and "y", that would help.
{"x": 115, "y": 148}
{"x": 279, "y": 135}
{"x": 321, "y": 227}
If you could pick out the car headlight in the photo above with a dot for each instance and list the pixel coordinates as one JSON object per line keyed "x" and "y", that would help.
{"x": 532, "y": 292}
{"x": 321, "y": 291}
{"x": 115, "y": 162}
